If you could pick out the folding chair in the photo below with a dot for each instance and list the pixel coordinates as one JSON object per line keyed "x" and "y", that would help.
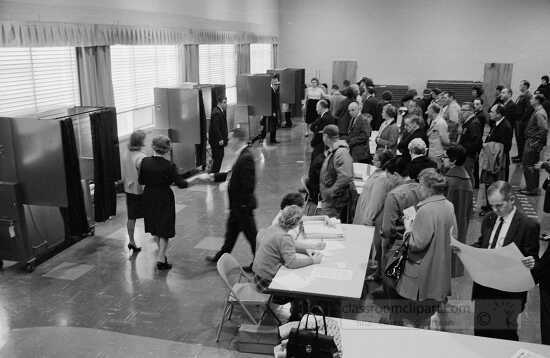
{"x": 242, "y": 293}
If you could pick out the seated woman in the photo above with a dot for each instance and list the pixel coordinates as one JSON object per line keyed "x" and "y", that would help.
{"x": 276, "y": 248}
{"x": 426, "y": 279}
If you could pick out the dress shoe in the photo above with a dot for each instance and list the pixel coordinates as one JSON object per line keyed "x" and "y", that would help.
{"x": 212, "y": 258}
{"x": 164, "y": 265}
{"x": 247, "y": 269}
{"x": 274, "y": 142}
{"x": 133, "y": 247}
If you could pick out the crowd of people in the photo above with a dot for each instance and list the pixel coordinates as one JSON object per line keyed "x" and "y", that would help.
{"x": 430, "y": 153}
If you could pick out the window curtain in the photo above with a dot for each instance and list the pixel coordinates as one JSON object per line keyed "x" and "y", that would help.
{"x": 191, "y": 53}
{"x": 28, "y": 34}
{"x": 243, "y": 58}
{"x": 94, "y": 76}
{"x": 181, "y": 64}
{"x": 275, "y": 55}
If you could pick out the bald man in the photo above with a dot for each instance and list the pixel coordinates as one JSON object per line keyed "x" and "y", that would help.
{"x": 358, "y": 134}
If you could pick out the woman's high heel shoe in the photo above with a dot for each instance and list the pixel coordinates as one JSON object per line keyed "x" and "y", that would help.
{"x": 134, "y": 247}
{"x": 164, "y": 265}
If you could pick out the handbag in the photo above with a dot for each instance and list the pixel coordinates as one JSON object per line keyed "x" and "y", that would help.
{"x": 396, "y": 264}
{"x": 311, "y": 344}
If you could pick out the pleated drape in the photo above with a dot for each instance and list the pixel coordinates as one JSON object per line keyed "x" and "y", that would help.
{"x": 191, "y": 63}
{"x": 275, "y": 55}
{"x": 94, "y": 76}
{"x": 243, "y": 58}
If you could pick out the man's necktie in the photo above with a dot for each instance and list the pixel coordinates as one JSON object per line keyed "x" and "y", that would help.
{"x": 497, "y": 233}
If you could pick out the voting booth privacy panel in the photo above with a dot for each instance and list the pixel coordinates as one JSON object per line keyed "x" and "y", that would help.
{"x": 184, "y": 112}
{"x": 292, "y": 87}
{"x": 57, "y": 177}
{"x": 254, "y": 100}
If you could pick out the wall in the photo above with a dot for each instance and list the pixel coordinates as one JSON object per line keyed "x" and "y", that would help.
{"x": 259, "y": 16}
{"x": 410, "y": 42}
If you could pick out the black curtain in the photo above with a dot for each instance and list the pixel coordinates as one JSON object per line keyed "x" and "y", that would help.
{"x": 106, "y": 162}
{"x": 201, "y": 148}
{"x": 74, "y": 215}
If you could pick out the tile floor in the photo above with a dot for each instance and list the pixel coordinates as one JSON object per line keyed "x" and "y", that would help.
{"x": 97, "y": 300}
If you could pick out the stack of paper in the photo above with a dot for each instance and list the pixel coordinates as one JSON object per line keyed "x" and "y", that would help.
{"x": 317, "y": 227}
{"x": 362, "y": 171}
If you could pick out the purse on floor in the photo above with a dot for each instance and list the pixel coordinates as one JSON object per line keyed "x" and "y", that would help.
{"x": 396, "y": 265}
{"x": 303, "y": 343}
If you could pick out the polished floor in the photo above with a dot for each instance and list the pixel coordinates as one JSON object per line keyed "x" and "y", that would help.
{"x": 96, "y": 300}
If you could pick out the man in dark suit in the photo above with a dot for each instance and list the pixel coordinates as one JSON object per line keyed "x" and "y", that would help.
{"x": 471, "y": 138}
{"x": 541, "y": 274}
{"x": 510, "y": 108}
{"x": 325, "y": 118}
{"x": 413, "y": 129}
{"x": 496, "y": 312}
{"x": 501, "y": 132}
{"x": 217, "y": 133}
{"x": 417, "y": 150}
{"x": 524, "y": 111}
{"x": 544, "y": 87}
{"x": 242, "y": 202}
{"x": 370, "y": 103}
{"x": 270, "y": 123}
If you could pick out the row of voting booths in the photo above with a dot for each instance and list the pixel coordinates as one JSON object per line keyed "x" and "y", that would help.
{"x": 254, "y": 96}
{"x": 58, "y": 171}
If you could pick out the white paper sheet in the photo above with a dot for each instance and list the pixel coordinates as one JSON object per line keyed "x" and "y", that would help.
{"x": 290, "y": 280}
{"x": 500, "y": 268}
{"x": 332, "y": 273}
{"x": 524, "y": 353}
{"x": 410, "y": 213}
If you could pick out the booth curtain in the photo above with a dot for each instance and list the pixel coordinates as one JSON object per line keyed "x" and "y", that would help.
{"x": 191, "y": 53}
{"x": 243, "y": 58}
{"x": 27, "y": 34}
{"x": 94, "y": 76}
{"x": 74, "y": 215}
{"x": 106, "y": 162}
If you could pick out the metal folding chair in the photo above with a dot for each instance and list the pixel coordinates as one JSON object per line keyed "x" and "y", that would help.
{"x": 239, "y": 292}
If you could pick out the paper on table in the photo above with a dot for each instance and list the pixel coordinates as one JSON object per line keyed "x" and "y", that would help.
{"x": 334, "y": 245}
{"x": 409, "y": 213}
{"x": 524, "y": 353}
{"x": 332, "y": 273}
{"x": 500, "y": 268}
{"x": 290, "y": 279}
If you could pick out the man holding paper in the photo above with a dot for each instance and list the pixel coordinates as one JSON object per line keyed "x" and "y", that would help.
{"x": 496, "y": 312}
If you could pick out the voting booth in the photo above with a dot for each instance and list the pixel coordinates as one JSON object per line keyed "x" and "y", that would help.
{"x": 253, "y": 101}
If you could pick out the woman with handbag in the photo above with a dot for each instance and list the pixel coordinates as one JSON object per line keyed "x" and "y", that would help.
{"x": 370, "y": 204}
{"x": 426, "y": 278}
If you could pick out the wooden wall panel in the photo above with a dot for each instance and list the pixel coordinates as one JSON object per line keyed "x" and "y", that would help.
{"x": 344, "y": 70}
{"x": 495, "y": 74}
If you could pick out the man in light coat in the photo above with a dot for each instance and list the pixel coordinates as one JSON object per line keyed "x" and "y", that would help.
{"x": 336, "y": 174}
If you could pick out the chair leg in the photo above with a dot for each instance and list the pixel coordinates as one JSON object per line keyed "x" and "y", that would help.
{"x": 230, "y": 313}
{"x": 269, "y": 310}
{"x": 224, "y": 315}
{"x": 248, "y": 313}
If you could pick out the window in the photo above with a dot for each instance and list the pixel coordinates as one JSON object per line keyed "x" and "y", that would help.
{"x": 37, "y": 79}
{"x": 136, "y": 71}
{"x": 261, "y": 58}
{"x": 218, "y": 65}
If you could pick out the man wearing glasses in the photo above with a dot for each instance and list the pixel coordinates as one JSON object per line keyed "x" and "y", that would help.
{"x": 496, "y": 312}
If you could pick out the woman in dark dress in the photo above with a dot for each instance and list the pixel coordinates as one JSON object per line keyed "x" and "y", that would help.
{"x": 157, "y": 174}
